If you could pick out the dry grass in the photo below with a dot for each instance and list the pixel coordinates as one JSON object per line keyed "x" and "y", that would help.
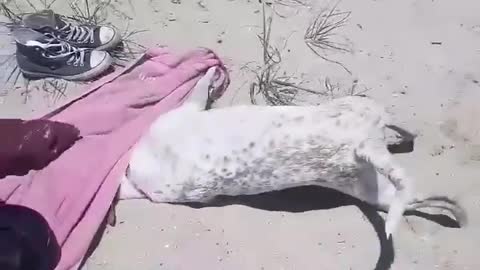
{"x": 289, "y": 4}
{"x": 95, "y": 12}
{"x": 275, "y": 89}
{"x": 129, "y": 49}
{"x": 278, "y": 88}
{"x": 42, "y": 4}
{"x": 335, "y": 90}
{"x": 13, "y": 18}
{"x": 268, "y": 73}
{"x": 323, "y": 28}
{"x": 87, "y": 14}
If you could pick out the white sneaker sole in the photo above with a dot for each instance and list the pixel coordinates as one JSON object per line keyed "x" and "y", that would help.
{"x": 85, "y": 76}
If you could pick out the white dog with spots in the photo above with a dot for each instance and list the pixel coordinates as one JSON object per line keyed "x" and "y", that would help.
{"x": 193, "y": 155}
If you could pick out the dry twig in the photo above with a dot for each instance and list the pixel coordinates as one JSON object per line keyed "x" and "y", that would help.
{"x": 129, "y": 49}
{"x": 13, "y": 18}
{"x": 85, "y": 15}
{"x": 318, "y": 36}
{"x": 275, "y": 90}
{"x": 289, "y": 4}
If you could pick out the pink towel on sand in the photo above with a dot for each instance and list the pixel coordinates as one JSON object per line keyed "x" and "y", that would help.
{"x": 75, "y": 191}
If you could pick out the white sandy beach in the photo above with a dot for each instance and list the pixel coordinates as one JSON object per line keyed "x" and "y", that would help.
{"x": 419, "y": 58}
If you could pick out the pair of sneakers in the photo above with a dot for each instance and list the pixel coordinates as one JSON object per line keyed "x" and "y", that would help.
{"x": 50, "y": 46}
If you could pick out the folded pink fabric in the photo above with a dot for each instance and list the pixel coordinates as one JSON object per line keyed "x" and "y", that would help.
{"x": 75, "y": 191}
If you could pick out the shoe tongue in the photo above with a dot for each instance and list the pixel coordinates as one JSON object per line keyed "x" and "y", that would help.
{"x": 59, "y": 22}
{"x": 25, "y": 35}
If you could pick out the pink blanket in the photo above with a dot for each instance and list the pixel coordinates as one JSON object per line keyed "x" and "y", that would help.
{"x": 75, "y": 191}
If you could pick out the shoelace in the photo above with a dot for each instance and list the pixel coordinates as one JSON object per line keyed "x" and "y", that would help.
{"x": 79, "y": 34}
{"x": 56, "y": 49}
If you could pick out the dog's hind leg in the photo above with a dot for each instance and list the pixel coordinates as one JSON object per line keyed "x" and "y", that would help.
{"x": 375, "y": 152}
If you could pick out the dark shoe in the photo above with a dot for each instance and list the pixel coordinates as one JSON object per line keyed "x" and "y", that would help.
{"x": 93, "y": 37}
{"x": 26, "y": 240}
{"x": 47, "y": 140}
{"x": 40, "y": 56}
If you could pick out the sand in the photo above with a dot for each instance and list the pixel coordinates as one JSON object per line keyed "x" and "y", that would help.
{"x": 419, "y": 58}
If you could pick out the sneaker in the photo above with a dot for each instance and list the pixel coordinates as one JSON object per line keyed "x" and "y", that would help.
{"x": 40, "y": 56}
{"x": 93, "y": 37}
{"x": 26, "y": 239}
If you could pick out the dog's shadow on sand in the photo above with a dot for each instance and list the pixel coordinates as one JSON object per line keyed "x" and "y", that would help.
{"x": 310, "y": 198}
